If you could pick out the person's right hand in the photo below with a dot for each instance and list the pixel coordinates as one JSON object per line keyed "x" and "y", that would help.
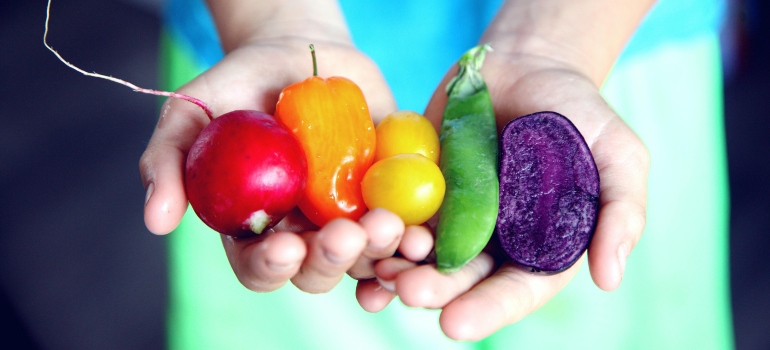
{"x": 252, "y": 77}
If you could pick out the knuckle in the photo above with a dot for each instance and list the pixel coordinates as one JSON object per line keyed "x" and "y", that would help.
{"x": 255, "y": 285}
{"x": 312, "y": 287}
{"x": 637, "y": 222}
{"x": 145, "y": 161}
{"x": 146, "y": 166}
{"x": 362, "y": 271}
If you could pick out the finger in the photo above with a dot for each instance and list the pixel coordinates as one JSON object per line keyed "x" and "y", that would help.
{"x": 502, "y": 299}
{"x": 266, "y": 262}
{"x": 425, "y": 287}
{"x": 372, "y": 296}
{"x": 378, "y": 96}
{"x": 417, "y": 243}
{"x": 384, "y": 230}
{"x": 331, "y": 252}
{"x": 387, "y": 270}
{"x": 162, "y": 164}
{"x": 623, "y": 164}
{"x": 295, "y": 221}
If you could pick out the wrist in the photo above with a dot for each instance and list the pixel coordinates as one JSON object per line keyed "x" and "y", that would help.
{"x": 584, "y": 35}
{"x": 531, "y": 52}
{"x": 240, "y": 22}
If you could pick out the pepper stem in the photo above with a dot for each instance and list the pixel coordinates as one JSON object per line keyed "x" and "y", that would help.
{"x": 315, "y": 65}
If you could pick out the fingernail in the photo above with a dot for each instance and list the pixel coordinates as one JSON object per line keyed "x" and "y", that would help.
{"x": 335, "y": 258}
{"x": 280, "y": 267}
{"x": 380, "y": 246}
{"x": 150, "y": 189}
{"x": 390, "y": 286}
{"x": 341, "y": 250}
{"x": 622, "y": 257}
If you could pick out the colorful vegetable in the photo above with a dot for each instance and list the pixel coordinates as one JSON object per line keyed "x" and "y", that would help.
{"x": 244, "y": 173}
{"x": 331, "y": 119}
{"x": 406, "y": 132}
{"x": 409, "y": 185}
{"x": 549, "y": 192}
{"x": 469, "y": 163}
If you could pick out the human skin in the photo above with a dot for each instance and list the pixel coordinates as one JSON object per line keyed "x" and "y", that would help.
{"x": 546, "y": 56}
{"x": 256, "y": 68}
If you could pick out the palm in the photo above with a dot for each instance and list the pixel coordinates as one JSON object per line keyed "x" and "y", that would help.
{"x": 490, "y": 293}
{"x": 619, "y": 154}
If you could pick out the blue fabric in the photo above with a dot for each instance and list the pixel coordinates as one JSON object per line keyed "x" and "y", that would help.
{"x": 414, "y": 42}
{"x": 672, "y": 21}
{"x": 190, "y": 22}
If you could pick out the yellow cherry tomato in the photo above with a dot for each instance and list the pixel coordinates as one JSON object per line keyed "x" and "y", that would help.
{"x": 406, "y": 132}
{"x": 409, "y": 185}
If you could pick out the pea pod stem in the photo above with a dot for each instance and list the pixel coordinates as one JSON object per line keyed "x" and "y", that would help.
{"x": 468, "y": 161}
{"x": 468, "y": 79}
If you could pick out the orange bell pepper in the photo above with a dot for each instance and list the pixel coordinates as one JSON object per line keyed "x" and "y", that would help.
{"x": 331, "y": 119}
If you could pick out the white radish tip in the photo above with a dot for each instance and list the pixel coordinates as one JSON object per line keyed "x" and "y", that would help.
{"x": 257, "y": 221}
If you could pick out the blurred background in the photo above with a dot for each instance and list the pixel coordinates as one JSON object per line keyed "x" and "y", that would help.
{"x": 78, "y": 269}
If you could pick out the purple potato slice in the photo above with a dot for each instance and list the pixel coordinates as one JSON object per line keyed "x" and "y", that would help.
{"x": 549, "y": 192}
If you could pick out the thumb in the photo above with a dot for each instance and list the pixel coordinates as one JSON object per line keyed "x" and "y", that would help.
{"x": 162, "y": 164}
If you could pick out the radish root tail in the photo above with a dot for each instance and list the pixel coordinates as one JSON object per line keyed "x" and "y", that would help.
{"x": 191, "y": 99}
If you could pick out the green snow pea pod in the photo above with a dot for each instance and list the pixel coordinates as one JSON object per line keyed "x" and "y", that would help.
{"x": 468, "y": 161}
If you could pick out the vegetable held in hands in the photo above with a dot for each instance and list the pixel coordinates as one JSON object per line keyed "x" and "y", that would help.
{"x": 405, "y": 179}
{"x": 406, "y": 132}
{"x": 244, "y": 173}
{"x": 469, "y": 164}
{"x": 331, "y": 119}
{"x": 549, "y": 192}
{"x": 408, "y": 184}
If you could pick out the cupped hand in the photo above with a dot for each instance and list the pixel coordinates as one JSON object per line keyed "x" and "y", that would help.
{"x": 252, "y": 77}
{"x": 490, "y": 292}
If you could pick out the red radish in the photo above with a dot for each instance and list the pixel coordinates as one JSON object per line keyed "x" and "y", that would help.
{"x": 244, "y": 172}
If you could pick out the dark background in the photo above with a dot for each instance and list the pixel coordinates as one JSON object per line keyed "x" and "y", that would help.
{"x": 78, "y": 269}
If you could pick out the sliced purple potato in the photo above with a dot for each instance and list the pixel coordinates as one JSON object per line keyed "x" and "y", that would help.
{"x": 549, "y": 192}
